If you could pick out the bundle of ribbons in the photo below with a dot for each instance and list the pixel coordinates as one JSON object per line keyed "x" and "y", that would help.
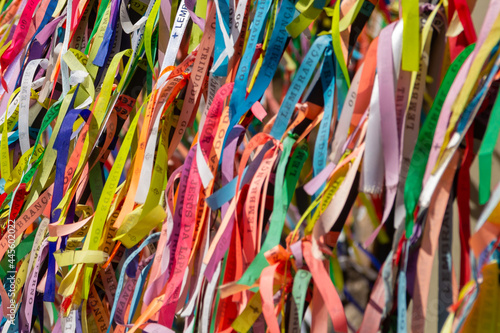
{"x": 243, "y": 165}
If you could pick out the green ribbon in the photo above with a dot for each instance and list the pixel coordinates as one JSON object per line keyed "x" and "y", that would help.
{"x": 20, "y": 251}
{"x": 416, "y": 171}
{"x": 486, "y": 151}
